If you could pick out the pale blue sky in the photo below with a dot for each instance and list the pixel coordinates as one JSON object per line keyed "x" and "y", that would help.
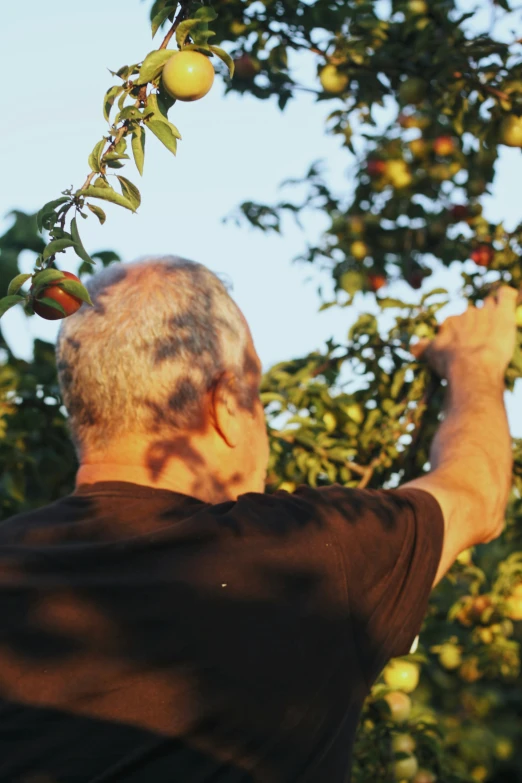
{"x": 54, "y": 60}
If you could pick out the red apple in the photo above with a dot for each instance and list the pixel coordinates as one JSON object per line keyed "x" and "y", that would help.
{"x": 483, "y": 255}
{"x": 459, "y": 212}
{"x": 246, "y": 67}
{"x": 376, "y": 281}
{"x": 375, "y": 168}
{"x": 443, "y": 146}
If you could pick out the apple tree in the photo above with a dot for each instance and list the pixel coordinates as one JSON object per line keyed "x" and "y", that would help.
{"x": 422, "y": 100}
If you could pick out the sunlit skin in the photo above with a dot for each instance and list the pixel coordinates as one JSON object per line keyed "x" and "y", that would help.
{"x": 225, "y": 458}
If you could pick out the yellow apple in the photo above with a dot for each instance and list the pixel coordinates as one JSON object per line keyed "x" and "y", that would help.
{"x": 398, "y": 174}
{"x": 399, "y": 704}
{"x": 511, "y": 131}
{"x": 402, "y": 675}
{"x": 359, "y": 250}
{"x": 332, "y": 80}
{"x": 188, "y": 75}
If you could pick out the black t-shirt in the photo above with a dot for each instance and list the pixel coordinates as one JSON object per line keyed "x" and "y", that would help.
{"x": 149, "y": 637}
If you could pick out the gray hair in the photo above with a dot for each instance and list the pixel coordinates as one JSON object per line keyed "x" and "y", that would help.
{"x": 141, "y": 360}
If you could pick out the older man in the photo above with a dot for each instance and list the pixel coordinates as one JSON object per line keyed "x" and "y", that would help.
{"x": 170, "y": 622}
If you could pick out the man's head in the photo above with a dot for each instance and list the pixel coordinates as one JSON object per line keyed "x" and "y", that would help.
{"x": 161, "y": 382}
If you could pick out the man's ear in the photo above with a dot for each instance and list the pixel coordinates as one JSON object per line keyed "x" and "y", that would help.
{"x": 224, "y": 409}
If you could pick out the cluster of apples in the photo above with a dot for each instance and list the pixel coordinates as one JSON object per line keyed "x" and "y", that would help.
{"x": 402, "y": 677}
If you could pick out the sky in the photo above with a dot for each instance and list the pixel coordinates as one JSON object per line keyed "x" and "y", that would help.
{"x": 234, "y": 148}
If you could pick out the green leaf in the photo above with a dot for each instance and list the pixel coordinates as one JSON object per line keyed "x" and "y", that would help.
{"x": 128, "y": 113}
{"x": 44, "y": 278}
{"x": 98, "y": 211}
{"x": 56, "y": 246}
{"x": 100, "y": 182}
{"x": 205, "y": 14}
{"x": 110, "y": 97}
{"x": 9, "y": 301}
{"x": 227, "y": 59}
{"x": 48, "y": 209}
{"x": 107, "y": 194}
{"x": 115, "y": 156}
{"x": 184, "y": 29}
{"x": 130, "y": 191}
{"x": 153, "y": 65}
{"x": 94, "y": 157}
{"x": 16, "y": 283}
{"x": 160, "y": 12}
{"x": 78, "y": 244}
{"x": 159, "y": 114}
{"x": 51, "y": 303}
{"x": 138, "y": 148}
{"x": 164, "y": 133}
{"x": 76, "y": 289}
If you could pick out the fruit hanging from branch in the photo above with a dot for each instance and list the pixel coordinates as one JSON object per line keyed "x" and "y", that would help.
{"x": 44, "y": 299}
{"x": 511, "y": 131}
{"x": 333, "y": 80}
{"x": 483, "y": 254}
{"x": 188, "y": 76}
{"x": 246, "y": 67}
{"x": 443, "y": 146}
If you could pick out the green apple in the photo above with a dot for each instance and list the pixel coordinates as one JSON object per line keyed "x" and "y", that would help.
{"x": 332, "y": 80}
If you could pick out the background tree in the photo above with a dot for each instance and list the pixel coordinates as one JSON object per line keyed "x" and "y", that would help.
{"x": 449, "y": 98}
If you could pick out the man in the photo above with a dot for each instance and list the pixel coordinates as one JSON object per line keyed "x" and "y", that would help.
{"x": 168, "y": 621}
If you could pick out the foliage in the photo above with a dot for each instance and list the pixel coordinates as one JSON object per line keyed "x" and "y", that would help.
{"x": 362, "y": 412}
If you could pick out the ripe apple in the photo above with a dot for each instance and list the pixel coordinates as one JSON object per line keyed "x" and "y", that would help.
{"x": 419, "y": 148}
{"x": 418, "y": 7}
{"x": 403, "y": 743}
{"x": 399, "y": 704}
{"x": 398, "y": 174}
{"x": 412, "y": 91}
{"x": 188, "y": 75}
{"x": 402, "y": 675}
{"x": 514, "y": 607}
{"x": 483, "y": 255}
{"x": 518, "y": 316}
{"x": 375, "y": 168}
{"x": 332, "y": 80}
{"x": 53, "y": 291}
{"x": 376, "y": 281}
{"x": 405, "y": 769}
{"x": 511, "y": 131}
{"x": 359, "y": 250}
{"x": 459, "y": 212}
{"x": 355, "y": 412}
{"x": 288, "y": 486}
{"x": 443, "y": 146}
{"x": 425, "y": 776}
{"x": 246, "y": 67}
{"x": 449, "y": 656}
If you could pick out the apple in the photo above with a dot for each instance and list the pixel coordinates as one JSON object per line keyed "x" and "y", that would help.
{"x": 413, "y": 121}
{"x": 459, "y": 212}
{"x": 413, "y": 90}
{"x": 188, "y": 75}
{"x": 332, "y": 80}
{"x": 449, "y": 656}
{"x": 376, "y": 281}
{"x": 444, "y": 145}
{"x": 504, "y": 748}
{"x": 483, "y": 255}
{"x": 399, "y": 704}
{"x": 398, "y": 174}
{"x": 402, "y": 675}
{"x": 54, "y": 292}
{"x": 359, "y": 250}
{"x": 514, "y": 607}
{"x": 288, "y": 486}
{"x": 375, "y": 168}
{"x": 511, "y": 131}
{"x": 419, "y": 148}
{"x": 469, "y": 671}
{"x": 418, "y": 7}
{"x": 246, "y": 67}
{"x": 403, "y": 743}
{"x": 405, "y": 769}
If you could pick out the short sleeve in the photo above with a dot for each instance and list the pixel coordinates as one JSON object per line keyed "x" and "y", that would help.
{"x": 390, "y": 544}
